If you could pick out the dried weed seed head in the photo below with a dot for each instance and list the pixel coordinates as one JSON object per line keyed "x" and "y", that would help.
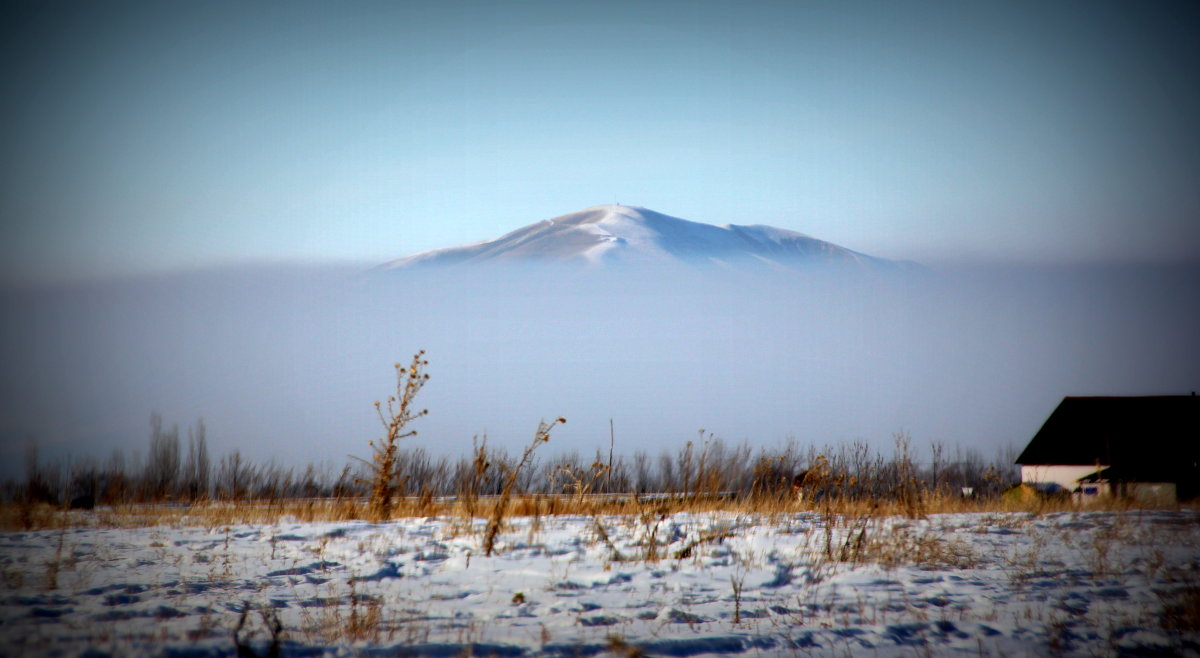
{"x": 384, "y": 463}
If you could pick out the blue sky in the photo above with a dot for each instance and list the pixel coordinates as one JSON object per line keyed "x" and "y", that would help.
{"x": 1045, "y": 155}
{"x": 149, "y": 137}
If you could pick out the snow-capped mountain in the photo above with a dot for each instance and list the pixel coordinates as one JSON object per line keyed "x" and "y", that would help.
{"x": 630, "y": 234}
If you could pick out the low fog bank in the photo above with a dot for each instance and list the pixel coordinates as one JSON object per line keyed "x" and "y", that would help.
{"x": 284, "y": 363}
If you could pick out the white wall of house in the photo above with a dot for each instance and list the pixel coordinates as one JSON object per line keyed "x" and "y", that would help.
{"x": 1066, "y": 477}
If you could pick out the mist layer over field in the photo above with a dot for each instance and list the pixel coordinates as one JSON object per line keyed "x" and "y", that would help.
{"x": 284, "y": 363}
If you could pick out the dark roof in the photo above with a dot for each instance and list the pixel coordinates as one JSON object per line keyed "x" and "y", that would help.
{"x": 1150, "y": 438}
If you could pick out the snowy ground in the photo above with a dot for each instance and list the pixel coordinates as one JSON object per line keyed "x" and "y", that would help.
{"x": 1086, "y": 583}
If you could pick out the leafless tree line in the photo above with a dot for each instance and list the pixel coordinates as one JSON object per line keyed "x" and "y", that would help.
{"x": 178, "y": 468}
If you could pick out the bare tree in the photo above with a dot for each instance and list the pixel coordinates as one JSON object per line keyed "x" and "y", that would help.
{"x": 162, "y": 465}
{"x": 41, "y": 482}
{"x": 197, "y": 467}
{"x": 234, "y": 476}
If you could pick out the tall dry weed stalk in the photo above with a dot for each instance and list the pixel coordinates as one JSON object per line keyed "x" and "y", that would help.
{"x": 497, "y": 518}
{"x": 470, "y": 478}
{"x": 400, "y": 413}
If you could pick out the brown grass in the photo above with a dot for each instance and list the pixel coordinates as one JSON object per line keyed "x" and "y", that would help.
{"x": 16, "y": 517}
{"x": 1181, "y": 608}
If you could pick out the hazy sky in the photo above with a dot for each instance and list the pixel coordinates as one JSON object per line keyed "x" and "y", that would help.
{"x": 283, "y": 363}
{"x": 156, "y": 136}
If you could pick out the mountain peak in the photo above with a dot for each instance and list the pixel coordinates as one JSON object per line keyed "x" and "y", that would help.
{"x": 617, "y": 233}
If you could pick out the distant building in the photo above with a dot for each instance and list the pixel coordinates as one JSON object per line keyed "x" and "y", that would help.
{"x": 1146, "y": 448}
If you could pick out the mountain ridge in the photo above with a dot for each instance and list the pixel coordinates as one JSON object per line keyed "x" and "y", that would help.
{"x": 611, "y": 234}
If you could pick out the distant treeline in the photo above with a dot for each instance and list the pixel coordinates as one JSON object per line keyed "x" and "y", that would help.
{"x": 180, "y": 469}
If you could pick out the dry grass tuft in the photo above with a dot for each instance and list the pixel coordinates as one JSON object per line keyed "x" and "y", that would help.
{"x": 1181, "y": 609}
{"x": 619, "y": 646}
{"x": 927, "y": 550}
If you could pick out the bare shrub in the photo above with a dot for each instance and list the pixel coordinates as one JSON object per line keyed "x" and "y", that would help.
{"x": 400, "y": 413}
{"x": 470, "y": 475}
{"x": 573, "y": 479}
{"x": 907, "y": 489}
{"x": 772, "y": 479}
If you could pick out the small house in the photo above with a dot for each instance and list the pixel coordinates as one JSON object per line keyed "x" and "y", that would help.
{"x": 1147, "y": 448}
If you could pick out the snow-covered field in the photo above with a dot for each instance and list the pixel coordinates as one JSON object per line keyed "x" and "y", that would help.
{"x": 1073, "y": 583}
